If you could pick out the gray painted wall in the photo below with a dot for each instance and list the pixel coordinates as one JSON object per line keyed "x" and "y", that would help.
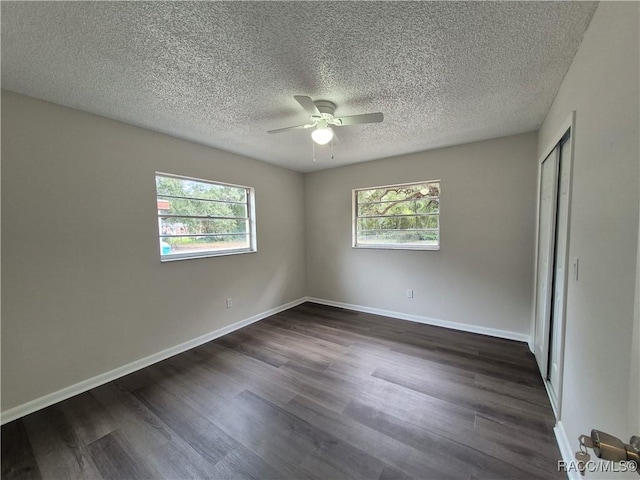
{"x": 483, "y": 272}
{"x": 84, "y": 290}
{"x": 600, "y": 388}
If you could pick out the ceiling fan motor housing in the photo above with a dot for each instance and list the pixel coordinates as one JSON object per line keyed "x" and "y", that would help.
{"x": 327, "y": 110}
{"x": 325, "y": 106}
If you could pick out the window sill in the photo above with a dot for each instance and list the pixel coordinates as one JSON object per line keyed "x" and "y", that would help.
{"x": 399, "y": 247}
{"x": 193, "y": 256}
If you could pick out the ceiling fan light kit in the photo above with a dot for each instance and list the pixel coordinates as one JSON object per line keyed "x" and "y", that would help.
{"x": 321, "y": 115}
{"x": 322, "y": 135}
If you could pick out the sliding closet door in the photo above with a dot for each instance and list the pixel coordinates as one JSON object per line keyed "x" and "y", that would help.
{"x": 544, "y": 267}
{"x": 560, "y": 265}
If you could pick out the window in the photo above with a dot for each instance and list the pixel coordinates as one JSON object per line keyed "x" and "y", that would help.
{"x": 198, "y": 218}
{"x": 403, "y": 216}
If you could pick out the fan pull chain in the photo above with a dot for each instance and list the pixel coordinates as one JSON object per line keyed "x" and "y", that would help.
{"x": 313, "y": 146}
{"x": 332, "y": 149}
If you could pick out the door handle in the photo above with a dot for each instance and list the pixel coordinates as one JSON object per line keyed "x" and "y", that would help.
{"x": 611, "y": 448}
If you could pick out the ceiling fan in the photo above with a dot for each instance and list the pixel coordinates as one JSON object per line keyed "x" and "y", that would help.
{"x": 322, "y": 119}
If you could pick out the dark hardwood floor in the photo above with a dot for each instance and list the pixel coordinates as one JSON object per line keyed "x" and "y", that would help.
{"x": 314, "y": 392}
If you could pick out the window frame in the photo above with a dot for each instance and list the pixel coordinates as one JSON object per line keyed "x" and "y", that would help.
{"x": 251, "y": 219}
{"x": 392, "y": 246}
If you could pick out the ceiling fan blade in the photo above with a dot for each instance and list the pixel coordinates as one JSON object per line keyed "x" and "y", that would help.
{"x": 359, "y": 119}
{"x": 286, "y": 129}
{"x": 308, "y": 105}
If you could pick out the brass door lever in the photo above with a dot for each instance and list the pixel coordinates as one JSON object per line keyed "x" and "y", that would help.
{"x": 610, "y": 448}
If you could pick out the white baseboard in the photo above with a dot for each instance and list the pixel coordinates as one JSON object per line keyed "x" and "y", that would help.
{"x": 566, "y": 451}
{"x": 81, "y": 387}
{"x": 465, "y": 327}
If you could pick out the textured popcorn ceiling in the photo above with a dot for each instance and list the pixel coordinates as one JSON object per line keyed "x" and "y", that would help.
{"x": 223, "y": 73}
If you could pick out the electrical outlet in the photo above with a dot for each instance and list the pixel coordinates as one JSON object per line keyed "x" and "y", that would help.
{"x": 229, "y": 302}
{"x": 409, "y": 293}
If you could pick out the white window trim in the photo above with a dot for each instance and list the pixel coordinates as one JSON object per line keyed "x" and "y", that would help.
{"x": 388, "y": 246}
{"x": 253, "y": 243}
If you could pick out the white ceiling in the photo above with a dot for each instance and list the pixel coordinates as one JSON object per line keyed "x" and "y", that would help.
{"x": 223, "y": 73}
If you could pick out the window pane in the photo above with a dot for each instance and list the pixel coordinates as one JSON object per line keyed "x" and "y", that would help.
{"x": 398, "y": 215}
{"x": 192, "y": 207}
{"x": 398, "y": 223}
{"x": 201, "y": 244}
{"x": 427, "y": 221}
{"x": 182, "y": 187}
{"x": 198, "y": 226}
{"x": 398, "y": 237}
{"x": 400, "y": 192}
{"x": 401, "y": 207}
{"x": 201, "y": 218}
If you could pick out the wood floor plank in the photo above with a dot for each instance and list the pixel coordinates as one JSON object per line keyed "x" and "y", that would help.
{"x": 272, "y": 445}
{"x": 88, "y": 418}
{"x": 264, "y": 378}
{"x": 113, "y": 456}
{"x": 310, "y": 330}
{"x": 58, "y": 451}
{"x": 402, "y": 401}
{"x": 18, "y": 459}
{"x": 492, "y": 405}
{"x": 243, "y": 463}
{"x": 469, "y": 449}
{"x": 189, "y": 388}
{"x": 314, "y": 392}
{"x": 518, "y": 391}
{"x": 177, "y": 459}
{"x": 350, "y": 460}
{"x": 212, "y": 379}
{"x": 393, "y": 453}
{"x": 423, "y": 410}
{"x": 326, "y": 349}
{"x": 389, "y": 473}
{"x": 466, "y": 388}
{"x": 273, "y": 383}
{"x": 517, "y": 439}
{"x": 143, "y": 429}
{"x": 204, "y": 437}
